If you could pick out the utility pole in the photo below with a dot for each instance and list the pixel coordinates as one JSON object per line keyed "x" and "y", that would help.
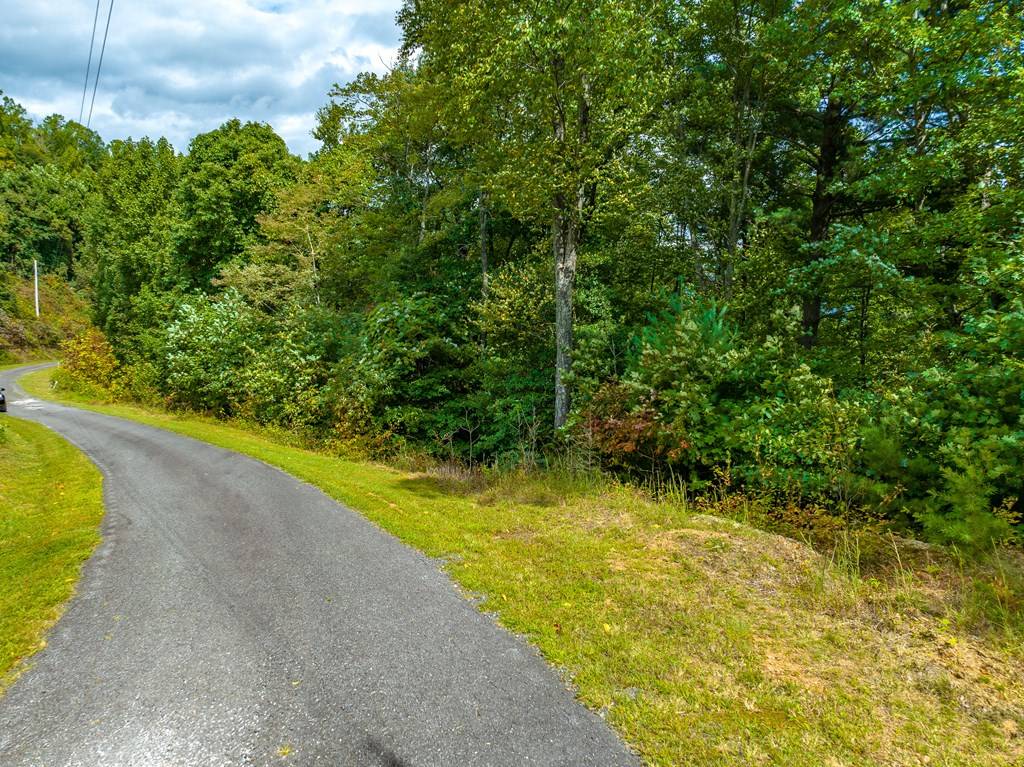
{"x": 35, "y": 270}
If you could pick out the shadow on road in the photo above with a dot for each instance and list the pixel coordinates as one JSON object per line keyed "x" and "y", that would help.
{"x": 386, "y": 757}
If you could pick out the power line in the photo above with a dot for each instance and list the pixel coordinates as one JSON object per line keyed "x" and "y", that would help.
{"x": 99, "y": 66}
{"x": 88, "y": 66}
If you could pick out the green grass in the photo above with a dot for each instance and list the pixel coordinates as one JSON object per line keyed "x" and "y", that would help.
{"x": 703, "y": 641}
{"x": 50, "y": 508}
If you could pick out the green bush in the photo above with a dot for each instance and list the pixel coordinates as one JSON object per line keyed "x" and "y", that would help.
{"x": 699, "y": 400}
{"x": 514, "y": 365}
{"x": 207, "y": 347}
{"x": 407, "y": 376}
{"x": 283, "y": 381}
{"x": 942, "y": 454}
{"x": 88, "y": 364}
{"x": 947, "y": 449}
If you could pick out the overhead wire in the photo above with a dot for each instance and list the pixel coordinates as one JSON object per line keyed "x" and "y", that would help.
{"x": 99, "y": 65}
{"x": 88, "y": 66}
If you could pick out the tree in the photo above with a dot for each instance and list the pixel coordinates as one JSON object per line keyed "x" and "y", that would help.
{"x": 550, "y": 96}
{"x": 16, "y": 145}
{"x": 129, "y": 235}
{"x": 228, "y": 179}
{"x": 45, "y": 173}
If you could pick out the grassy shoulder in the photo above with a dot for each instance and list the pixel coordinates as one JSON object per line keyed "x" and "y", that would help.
{"x": 702, "y": 640}
{"x": 50, "y": 509}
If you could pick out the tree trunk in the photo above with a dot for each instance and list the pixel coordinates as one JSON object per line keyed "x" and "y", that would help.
{"x": 565, "y": 239}
{"x": 745, "y": 131}
{"x": 822, "y": 205}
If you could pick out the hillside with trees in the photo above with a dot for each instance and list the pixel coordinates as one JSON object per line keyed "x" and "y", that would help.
{"x": 762, "y": 248}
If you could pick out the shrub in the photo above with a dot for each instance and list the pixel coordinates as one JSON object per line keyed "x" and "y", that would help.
{"x": 514, "y": 365}
{"x": 699, "y": 400}
{"x": 941, "y": 453}
{"x": 624, "y": 427}
{"x": 946, "y": 450}
{"x": 87, "y": 362}
{"x": 406, "y": 378}
{"x": 141, "y": 381}
{"x": 7, "y": 299}
{"x": 207, "y": 347}
{"x": 284, "y": 378}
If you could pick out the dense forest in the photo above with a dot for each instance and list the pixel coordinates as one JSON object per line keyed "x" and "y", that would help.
{"x": 761, "y": 247}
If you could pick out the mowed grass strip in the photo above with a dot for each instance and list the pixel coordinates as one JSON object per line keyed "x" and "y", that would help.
{"x": 701, "y": 640}
{"x": 51, "y": 504}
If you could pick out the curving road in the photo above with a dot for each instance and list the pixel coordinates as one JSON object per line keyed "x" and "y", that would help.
{"x": 236, "y": 616}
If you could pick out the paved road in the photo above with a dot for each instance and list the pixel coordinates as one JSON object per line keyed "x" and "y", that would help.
{"x": 234, "y": 614}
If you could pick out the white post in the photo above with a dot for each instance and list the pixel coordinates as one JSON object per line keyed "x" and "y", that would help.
{"x": 35, "y": 269}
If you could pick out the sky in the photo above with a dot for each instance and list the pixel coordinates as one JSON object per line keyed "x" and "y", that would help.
{"x": 180, "y": 68}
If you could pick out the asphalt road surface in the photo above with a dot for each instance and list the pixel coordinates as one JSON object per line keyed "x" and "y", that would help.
{"x": 236, "y": 616}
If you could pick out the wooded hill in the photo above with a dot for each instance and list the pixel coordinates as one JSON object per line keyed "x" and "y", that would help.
{"x": 23, "y": 336}
{"x": 768, "y": 247}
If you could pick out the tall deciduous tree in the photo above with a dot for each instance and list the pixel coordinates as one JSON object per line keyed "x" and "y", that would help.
{"x": 130, "y": 224}
{"x": 228, "y": 179}
{"x": 551, "y": 96}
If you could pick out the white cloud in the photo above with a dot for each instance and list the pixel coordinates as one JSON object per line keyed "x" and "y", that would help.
{"x": 181, "y": 68}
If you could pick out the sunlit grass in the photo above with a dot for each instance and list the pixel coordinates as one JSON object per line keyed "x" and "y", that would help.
{"x": 703, "y": 641}
{"x": 50, "y": 508}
